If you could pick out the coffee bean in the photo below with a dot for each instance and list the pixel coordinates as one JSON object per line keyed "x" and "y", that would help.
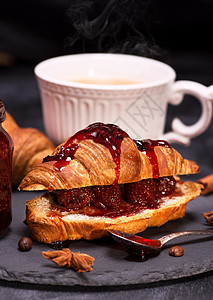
{"x": 25, "y": 244}
{"x": 176, "y": 251}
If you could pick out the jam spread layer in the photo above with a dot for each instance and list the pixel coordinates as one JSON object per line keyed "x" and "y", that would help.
{"x": 114, "y": 201}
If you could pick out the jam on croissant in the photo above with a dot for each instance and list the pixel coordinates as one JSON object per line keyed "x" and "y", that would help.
{"x": 111, "y": 136}
{"x": 113, "y": 200}
{"x": 102, "y": 179}
{"x": 108, "y": 199}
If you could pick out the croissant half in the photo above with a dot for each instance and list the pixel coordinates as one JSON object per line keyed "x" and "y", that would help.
{"x": 48, "y": 223}
{"x": 104, "y": 155}
{"x": 30, "y": 147}
{"x": 93, "y": 165}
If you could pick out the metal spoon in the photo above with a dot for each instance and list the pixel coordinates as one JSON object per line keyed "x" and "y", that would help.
{"x": 149, "y": 247}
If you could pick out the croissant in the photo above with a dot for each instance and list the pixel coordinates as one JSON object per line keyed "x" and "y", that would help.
{"x": 104, "y": 159}
{"x": 30, "y": 146}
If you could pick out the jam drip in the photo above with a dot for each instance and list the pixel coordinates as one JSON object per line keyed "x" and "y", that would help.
{"x": 108, "y": 135}
{"x": 147, "y": 147}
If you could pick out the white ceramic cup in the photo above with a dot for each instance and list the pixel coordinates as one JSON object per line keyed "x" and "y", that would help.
{"x": 139, "y": 108}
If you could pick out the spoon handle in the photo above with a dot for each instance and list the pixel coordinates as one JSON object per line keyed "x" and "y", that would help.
{"x": 171, "y": 236}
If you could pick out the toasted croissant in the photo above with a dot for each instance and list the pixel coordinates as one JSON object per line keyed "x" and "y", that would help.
{"x": 30, "y": 146}
{"x": 93, "y": 165}
{"x": 48, "y": 224}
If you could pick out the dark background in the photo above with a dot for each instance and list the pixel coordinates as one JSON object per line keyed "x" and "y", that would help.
{"x": 176, "y": 32}
{"x": 35, "y": 30}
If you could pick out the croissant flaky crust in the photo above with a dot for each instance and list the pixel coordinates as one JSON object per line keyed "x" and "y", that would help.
{"x": 93, "y": 165}
{"x": 48, "y": 224}
{"x": 30, "y": 147}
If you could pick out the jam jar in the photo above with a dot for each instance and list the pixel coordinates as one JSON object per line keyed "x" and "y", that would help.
{"x": 6, "y": 153}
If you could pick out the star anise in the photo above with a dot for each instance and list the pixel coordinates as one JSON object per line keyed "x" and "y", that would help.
{"x": 79, "y": 262}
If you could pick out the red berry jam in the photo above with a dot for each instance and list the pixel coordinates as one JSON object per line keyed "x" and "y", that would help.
{"x": 147, "y": 147}
{"x": 59, "y": 245}
{"x": 6, "y": 152}
{"x": 148, "y": 192}
{"x": 75, "y": 198}
{"x": 107, "y": 197}
{"x": 137, "y": 251}
{"x": 108, "y": 201}
{"x": 108, "y": 135}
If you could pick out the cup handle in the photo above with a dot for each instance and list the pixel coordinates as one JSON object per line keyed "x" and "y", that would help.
{"x": 181, "y": 133}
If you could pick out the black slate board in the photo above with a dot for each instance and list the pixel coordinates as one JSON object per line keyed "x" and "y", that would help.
{"x": 112, "y": 266}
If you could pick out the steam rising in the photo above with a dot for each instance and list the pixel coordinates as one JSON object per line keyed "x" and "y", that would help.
{"x": 116, "y": 26}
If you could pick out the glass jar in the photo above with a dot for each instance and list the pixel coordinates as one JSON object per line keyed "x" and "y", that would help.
{"x": 6, "y": 153}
